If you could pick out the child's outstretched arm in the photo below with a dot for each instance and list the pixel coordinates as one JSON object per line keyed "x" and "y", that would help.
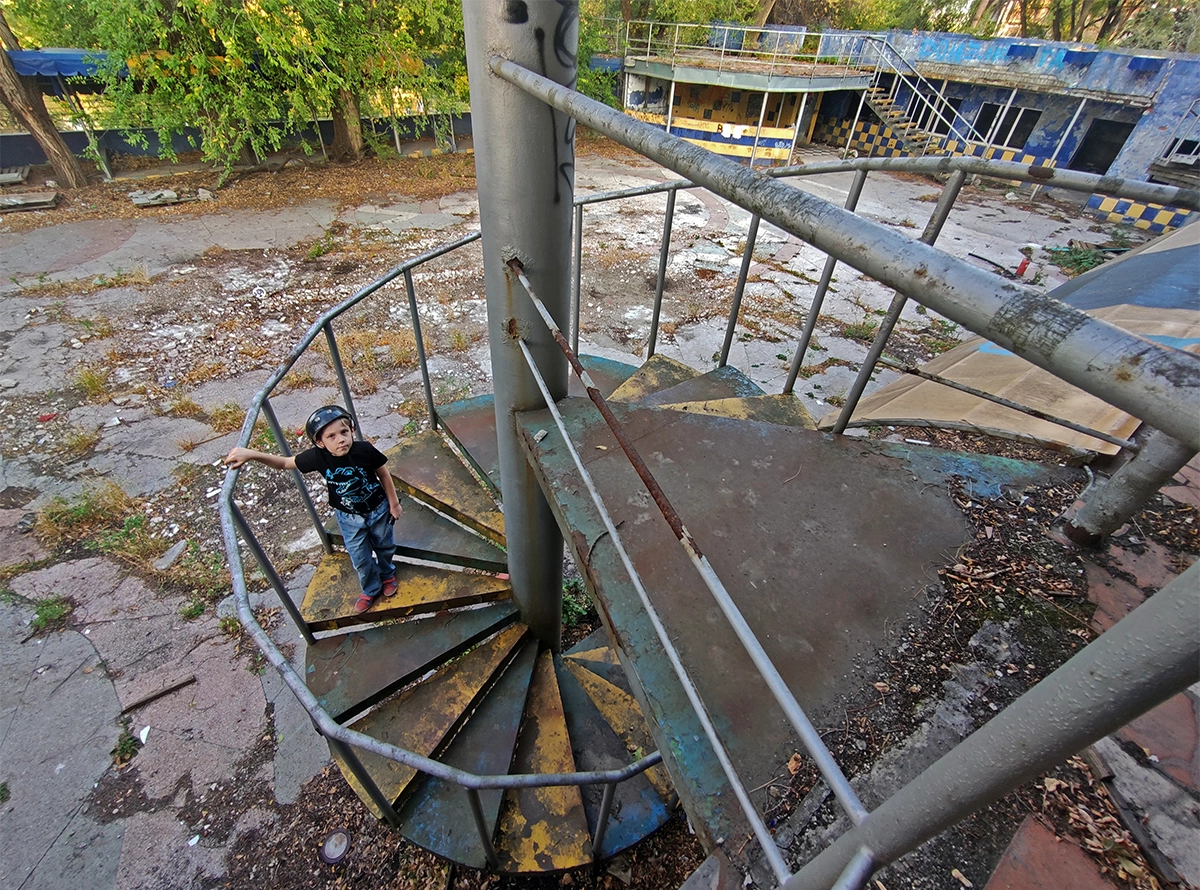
{"x": 389, "y": 488}
{"x": 239, "y": 456}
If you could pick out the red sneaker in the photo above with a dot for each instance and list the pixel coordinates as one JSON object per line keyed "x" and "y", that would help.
{"x": 364, "y": 602}
{"x": 389, "y": 586}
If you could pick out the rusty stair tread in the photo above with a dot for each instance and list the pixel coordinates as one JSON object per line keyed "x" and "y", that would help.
{"x": 638, "y": 808}
{"x": 331, "y": 594}
{"x": 350, "y": 672}
{"x": 609, "y": 670}
{"x": 597, "y": 639}
{"x": 437, "y": 814}
{"x": 722, "y": 383}
{"x": 422, "y": 533}
{"x": 424, "y": 718}
{"x": 543, "y": 829}
{"x": 658, "y": 372}
{"x": 425, "y": 467}
{"x": 782, "y": 409}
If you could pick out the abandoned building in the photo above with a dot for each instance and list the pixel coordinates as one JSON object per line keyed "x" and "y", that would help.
{"x": 755, "y": 93}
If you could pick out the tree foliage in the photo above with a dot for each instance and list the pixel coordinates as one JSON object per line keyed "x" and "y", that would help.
{"x": 250, "y": 73}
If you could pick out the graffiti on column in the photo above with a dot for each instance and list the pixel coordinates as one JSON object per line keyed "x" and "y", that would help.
{"x": 516, "y": 12}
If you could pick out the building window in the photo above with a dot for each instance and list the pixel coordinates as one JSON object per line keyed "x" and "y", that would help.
{"x": 708, "y": 114}
{"x": 736, "y": 97}
{"x": 754, "y": 106}
{"x": 1013, "y": 131}
{"x": 938, "y": 114}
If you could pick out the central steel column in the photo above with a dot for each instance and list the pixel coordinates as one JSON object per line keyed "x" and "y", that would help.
{"x": 525, "y": 172}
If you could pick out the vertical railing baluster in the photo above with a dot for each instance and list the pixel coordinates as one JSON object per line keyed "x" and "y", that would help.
{"x": 814, "y": 310}
{"x": 578, "y": 295}
{"x": 485, "y": 835}
{"x": 420, "y": 338}
{"x": 335, "y": 356}
{"x": 747, "y": 258}
{"x": 606, "y": 800}
{"x": 662, "y": 272}
{"x": 273, "y": 578}
{"x": 297, "y": 476}
{"x": 346, "y": 753}
{"x": 932, "y": 229}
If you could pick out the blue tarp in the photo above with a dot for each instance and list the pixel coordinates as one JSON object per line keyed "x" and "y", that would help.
{"x": 52, "y": 62}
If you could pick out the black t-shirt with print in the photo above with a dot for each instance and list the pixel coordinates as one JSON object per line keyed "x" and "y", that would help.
{"x": 351, "y": 480}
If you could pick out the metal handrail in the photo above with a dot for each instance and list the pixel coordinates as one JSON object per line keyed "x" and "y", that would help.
{"x": 233, "y": 524}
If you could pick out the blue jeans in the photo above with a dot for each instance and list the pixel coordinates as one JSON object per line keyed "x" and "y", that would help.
{"x": 371, "y": 546}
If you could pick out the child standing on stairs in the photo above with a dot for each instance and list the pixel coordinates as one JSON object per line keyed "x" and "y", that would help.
{"x": 361, "y": 492}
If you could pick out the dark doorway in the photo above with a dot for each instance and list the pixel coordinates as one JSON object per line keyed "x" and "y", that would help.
{"x": 1100, "y": 147}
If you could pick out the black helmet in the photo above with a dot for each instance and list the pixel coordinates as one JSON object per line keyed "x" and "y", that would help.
{"x": 324, "y": 416}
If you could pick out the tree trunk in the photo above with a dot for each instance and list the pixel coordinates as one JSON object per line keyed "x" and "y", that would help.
{"x": 25, "y": 104}
{"x": 762, "y": 13}
{"x": 347, "y": 127}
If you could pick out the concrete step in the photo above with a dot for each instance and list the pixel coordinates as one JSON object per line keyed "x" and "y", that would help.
{"x": 334, "y": 589}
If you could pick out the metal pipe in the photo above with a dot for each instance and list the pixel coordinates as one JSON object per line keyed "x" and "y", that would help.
{"x": 932, "y": 229}
{"x": 273, "y": 578}
{"x": 818, "y": 300}
{"x": 577, "y": 293}
{"x": 670, "y": 105}
{"x": 335, "y": 357}
{"x": 783, "y": 696}
{"x": 1008, "y": 403}
{"x": 297, "y": 476}
{"x": 995, "y": 127}
{"x": 1049, "y": 177}
{"x": 796, "y": 133}
{"x": 415, "y": 314}
{"x": 770, "y": 849}
{"x": 1062, "y": 141}
{"x": 606, "y": 799}
{"x": 347, "y": 755}
{"x": 526, "y": 188}
{"x": 1156, "y": 383}
{"x": 661, "y": 281}
{"x": 1109, "y": 506}
{"x": 485, "y": 835}
{"x": 762, "y": 115}
{"x": 736, "y": 308}
{"x": 857, "y": 115}
{"x": 1151, "y": 655}
{"x": 857, "y": 872}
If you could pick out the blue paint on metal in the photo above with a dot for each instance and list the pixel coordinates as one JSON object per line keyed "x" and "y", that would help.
{"x": 986, "y": 474}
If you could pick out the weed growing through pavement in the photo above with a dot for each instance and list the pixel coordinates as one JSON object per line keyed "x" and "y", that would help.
{"x": 4, "y": 793}
{"x": 184, "y": 406}
{"x": 576, "y": 606}
{"x": 79, "y": 440}
{"x": 91, "y": 381}
{"x": 50, "y": 614}
{"x": 299, "y": 378}
{"x": 192, "y": 609}
{"x": 227, "y": 417}
{"x": 230, "y": 626}
{"x": 860, "y": 330}
{"x": 127, "y": 745}
{"x": 104, "y": 519}
{"x": 99, "y": 328}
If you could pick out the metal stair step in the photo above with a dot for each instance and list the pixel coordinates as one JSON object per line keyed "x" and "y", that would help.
{"x": 543, "y": 829}
{"x": 658, "y": 373}
{"x": 637, "y": 807}
{"x": 781, "y": 409}
{"x": 350, "y": 672}
{"x": 726, "y": 382}
{"x": 597, "y": 639}
{"x": 424, "y": 718}
{"x": 422, "y": 533}
{"x": 429, "y": 471}
{"x": 622, "y": 712}
{"x": 607, "y": 667}
{"x": 437, "y": 814}
{"x": 333, "y": 590}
